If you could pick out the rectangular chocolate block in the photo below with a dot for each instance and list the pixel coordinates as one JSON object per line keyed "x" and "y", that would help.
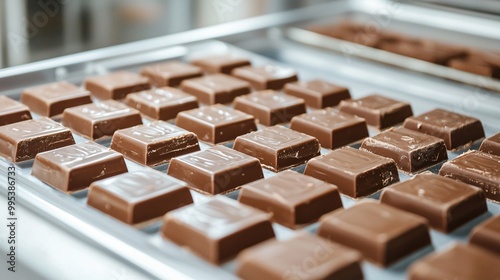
{"x": 478, "y": 169}
{"x": 333, "y": 129}
{"x": 170, "y": 73}
{"x": 411, "y": 150}
{"x": 318, "y": 93}
{"x": 383, "y": 234}
{"x": 216, "y": 123}
{"x": 457, "y": 131}
{"x": 447, "y": 204}
{"x": 277, "y": 260}
{"x": 356, "y": 173}
{"x": 221, "y": 63}
{"x": 278, "y": 147}
{"x": 217, "y": 229}
{"x": 215, "y": 88}
{"x": 50, "y": 100}
{"x": 138, "y": 196}
{"x": 266, "y": 76}
{"x": 487, "y": 235}
{"x": 12, "y": 111}
{"x": 23, "y": 140}
{"x": 154, "y": 143}
{"x": 116, "y": 85}
{"x": 491, "y": 145}
{"x": 161, "y": 103}
{"x": 291, "y": 197}
{"x": 101, "y": 119}
{"x": 216, "y": 170}
{"x": 75, "y": 167}
{"x": 377, "y": 110}
{"x": 270, "y": 107}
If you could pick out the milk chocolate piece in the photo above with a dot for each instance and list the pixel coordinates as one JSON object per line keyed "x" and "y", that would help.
{"x": 318, "y": 93}
{"x": 270, "y": 107}
{"x": 170, "y": 73}
{"x": 51, "y": 99}
{"x": 411, "y": 150}
{"x": 291, "y": 197}
{"x": 426, "y": 51}
{"x": 75, "y": 167}
{"x": 332, "y": 128}
{"x": 116, "y": 85}
{"x": 217, "y": 229}
{"x": 266, "y": 76}
{"x": 487, "y": 235}
{"x": 23, "y": 140}
{"x": 101, "y": 119}
{"x": 456, "y": 130}
{"x": 216, "y": 123}
{"x": 457, "y": 262}
{"x": 215, "y": 88}
{"x": 138, "y": 196}
{"x": 474, "y": 67}
{"x": 383, "y": 234}
{"x": 478, "y": 169}
{"x": 221, "y": 63}
{"x": 278, "y": 147}
{"x": 377, "y": 110}
{"x": 356, "y": 173}
{"x": 277, "y": 260}
{"x": 491, "y": 145}
{"x": 445, "y": 203}
{"x": 161, "y": 103}
{"x": 12, "y": 111}
{"x": 216, "y": 170}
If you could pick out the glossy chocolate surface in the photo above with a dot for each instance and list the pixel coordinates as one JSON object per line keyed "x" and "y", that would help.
{"x": 491, "y": 145}
{"x": 116, "y": 85}
{"x": 221, "y": 63}
{"x": 487, "y": 235}
{"x": 215, "y": 88}
{"x": 266, "y": 76}
{"x": 12, "y": 111}
{"x": 318, "y": 93}
{"x": 170, "y": 73}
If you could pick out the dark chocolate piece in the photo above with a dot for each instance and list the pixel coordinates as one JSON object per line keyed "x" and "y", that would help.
{"x": 216, "y": 123}
{"x": 50, "y": 100}
{"x": 333, "y": 129}
{"x": 266, "y": 76}
{"x": 383, "y": 234}
{"x": 491, "y": 145}
{"x": 216, "y": 170}
{"x": 377, "y": 110}
{"x": 170, "y": 73}
{"x": 456, "y": 130}
{"x": 215, "y": 88}
{"x": 221, "y": 63}
{"x": 75, "y": 167}
{"x": 270, "y": 107}
{"x": 487, "y": 235}
{"x": 217, "y": 229}
{"x": 23, "y": 140}
{"x": 291, "y": 197}
{"x": 318, "y": 93}
{"x": 154, "y": 143}
{"x": 101, "y": 119}
{"x": 138, "y": 196}
{"x": 116, "y": 85}
{"x": 356, "y": 173}
{"x": 411, "y": 150}
{"x": 303, "y": 255}
{"x": 445, "y": 203}
{"x": 12, "y": 111}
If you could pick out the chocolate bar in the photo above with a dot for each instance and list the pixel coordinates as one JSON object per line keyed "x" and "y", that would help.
{"x": 116, "y": 85}
{"x": 170, "y": 73}
{"x": 215, "y": 88}
{"x": 266, "y": 76}
{"x": 221, "y": 63}
{"x": 491, "y": 145}
{"x": 318, "y": 93}
{"x": 487, "y": 235}
{"x": 12, "y": 111}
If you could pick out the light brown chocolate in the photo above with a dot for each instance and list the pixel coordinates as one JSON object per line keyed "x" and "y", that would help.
{"x": 170, "y": 73}
{"x": 318, "y": 93}
{"x": 116, "y": 85}
{"x": 12, "y": 111}
{"x": 266, "y": 76}
{"x": 215, "y": 88}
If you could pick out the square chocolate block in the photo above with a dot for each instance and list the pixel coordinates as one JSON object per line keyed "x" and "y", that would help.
{"x": 139, "y": 196}
{"x": 445, "y": 203}
{"x": 377, "y": 110}
{"x": 478, "y": 169}
{"x": 50, "y": 100}
{"x": 101, "y": 119}
{"x": 216, "y": 170}
{"x": 333, "y": 129}
{"x": 278, "y": 147}
{"x": 277, "y": 260}
{"x": 217, "y": 229}
{"x": 154, "y": 143}
{"x": 383, "y": 234}
{"x": 12, "y": 111}
{"x": 491, "y": 145}
{"x": 270, "y": 107}
{"x": 161, "y": 103}
{"x": 116, "y": 85}
{"x": 456, "y": 130}
{"x": 411, "y": 150}
{"x": 487, "y": 235}
{"x": 221, "y": 63}
{"x": 291, "y": 197}
{"x": 318, "y": 93}
{"x": 216, "y": 123}
{"x": 266, "y": 76}
{"x": 170, "y": 73}
{"x": 356, "y": 173}
{"x": 215, "y": 88}
{"x": 75, "y": 167}
{"x": 23, "y": 140}
{"x": 457, "y": 262}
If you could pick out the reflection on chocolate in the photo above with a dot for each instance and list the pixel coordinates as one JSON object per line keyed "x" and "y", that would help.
{"x": 215, "y": 88}
{"x": 221, "y": 63}
{"x": 170, "y": 73}
{"x": 266, "y": 76}
{"x": 12, "y": 111}
{"x": 317, "y": 93}
{"x": 487, "y": 235}
{"x": 491, "y": 145}
{"x": 116, "y": 85}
